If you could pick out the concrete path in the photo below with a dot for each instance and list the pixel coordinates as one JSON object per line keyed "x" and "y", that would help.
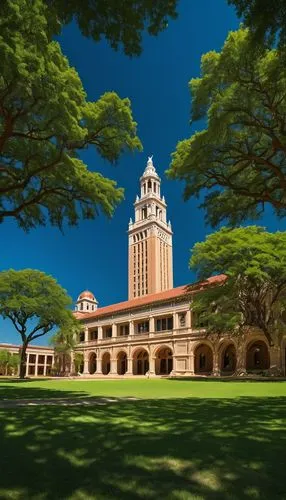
{"x": 100, "y": 401}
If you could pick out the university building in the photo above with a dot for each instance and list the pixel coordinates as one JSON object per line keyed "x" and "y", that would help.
{"x": 154, "y": 332}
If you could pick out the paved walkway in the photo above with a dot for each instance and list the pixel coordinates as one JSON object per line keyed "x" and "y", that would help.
{"x": 16, "y": 403}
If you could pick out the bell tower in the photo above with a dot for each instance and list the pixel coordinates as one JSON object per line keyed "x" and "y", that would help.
{"x": 150, "y": 259}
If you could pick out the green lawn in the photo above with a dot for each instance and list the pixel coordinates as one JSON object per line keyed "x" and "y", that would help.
{"x": 140, "y": 388}
{"x": 185, "y": 440}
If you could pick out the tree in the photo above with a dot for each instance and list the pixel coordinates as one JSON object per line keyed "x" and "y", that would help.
{"x": 9, "y": 362}
{"x": 119, "y": 22}
{"x": 35, "y": 303}
{"x": 45, "y": 121}
{"x": 64, "y": 341}
{"x": 253, "y": 293}
{"x": 238, "y": 163}
{"x": 265, "y": 18}
{"x": 78, "y": 361}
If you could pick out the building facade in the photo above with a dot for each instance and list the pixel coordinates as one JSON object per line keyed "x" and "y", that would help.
{"x": 155, "y": 332}
{"x": 39, "y": 360}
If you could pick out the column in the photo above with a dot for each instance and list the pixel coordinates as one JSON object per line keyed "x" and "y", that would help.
{"x": 85, "y": 363}
{"x": 240, "y": 359}
{"x": 189, "y": 318}
{"x": 114, "y": 330}
{"x": 98, "y": 365}
{"x": 175, "y": 321}
{"x": 27, "y": 364}
{"x": 45, "y": 366}
{"x": 72, "y": 367}
{"x": 151, "y": 366}
{"x": 216, "y": 371}
{"x": 100, "y": 332}
{"x": 192, "y": 363}
{"x": 275, "y": 363}
{"x": 129, "y": 370}
{"x": 151, "y": 326}
{"x": 36, "y": 365}
{"x": 86, "y": 334}
{"x": 113, "y": 366}
{"x": 131, "y": 327}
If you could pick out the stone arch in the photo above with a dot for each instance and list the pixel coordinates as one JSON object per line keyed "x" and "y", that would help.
{"x": 92, "y": 363}
{"x": 257, "y": 356}
{"x": 105, "y": 363}
{"x": 121, "y": 363}
{"x": 203, "y": 358}
{"x": 140, "y": 361}
{"x": 163, "y": 360}
{"x": 227, "y": 358}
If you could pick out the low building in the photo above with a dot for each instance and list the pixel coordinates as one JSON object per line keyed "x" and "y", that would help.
{"x": 40, "y": 359}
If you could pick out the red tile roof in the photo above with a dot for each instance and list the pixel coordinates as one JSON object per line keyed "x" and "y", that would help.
{"x": 174, "y": 293}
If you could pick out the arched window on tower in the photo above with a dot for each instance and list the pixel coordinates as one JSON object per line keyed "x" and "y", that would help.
{"x": 149, "y": 186}
{"x": 144, "y": 188}
{"x": 154, "y": 187}
{"x": 144, "y": 213}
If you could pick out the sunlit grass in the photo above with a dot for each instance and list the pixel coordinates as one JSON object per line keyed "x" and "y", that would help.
{"x": 139, "y": 388}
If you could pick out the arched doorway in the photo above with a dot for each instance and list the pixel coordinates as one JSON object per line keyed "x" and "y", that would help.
{"x": 203, "y": 359}
{"x": 140, "y": 362}
{"x": 257, "y": 356}
{"x": 164, "y": 361}
{"x": 105, "y": 363}
{"x": 228, "y": 359}
{"x": 92, "y": 363}
{"x": 122, "y": 363}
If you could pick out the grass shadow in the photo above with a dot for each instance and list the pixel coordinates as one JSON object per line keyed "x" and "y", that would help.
{"x": 175, "y": 449}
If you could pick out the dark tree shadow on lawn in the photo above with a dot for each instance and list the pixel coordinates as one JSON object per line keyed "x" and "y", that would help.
{"x": 25, "y": 389}
{"x": 176, "y": 449}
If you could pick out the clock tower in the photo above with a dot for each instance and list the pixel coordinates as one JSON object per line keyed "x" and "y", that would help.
{"x": 150, "y": 259}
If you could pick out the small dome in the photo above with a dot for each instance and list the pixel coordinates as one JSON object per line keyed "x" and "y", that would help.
{"x": 86, "y": 295}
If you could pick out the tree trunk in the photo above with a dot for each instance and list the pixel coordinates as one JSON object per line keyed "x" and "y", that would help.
{"x": 22, "y": 371}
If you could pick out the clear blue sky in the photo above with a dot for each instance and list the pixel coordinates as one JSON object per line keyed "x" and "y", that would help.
{"x": 94, "y": 255}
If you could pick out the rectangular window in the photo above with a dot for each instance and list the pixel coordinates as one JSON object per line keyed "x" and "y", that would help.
{"x": 123, "y": 330}
{"x": 81, "y": 337}
{"x": 50, "y": 360}
{"x": 107, "y": 332}
{"x": 32, "y": 358}
{"x": 93, "y": 334}
{"x": 41, "y": 359}
{"x": 142, "y": 327}
{"x": 182, "y": 319}
{"x": 163, "y": 324}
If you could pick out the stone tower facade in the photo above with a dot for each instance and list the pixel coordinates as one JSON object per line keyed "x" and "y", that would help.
{"x": 150, "y": 259}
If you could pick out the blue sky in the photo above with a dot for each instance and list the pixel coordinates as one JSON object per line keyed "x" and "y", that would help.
{"x": 94, "y": 255}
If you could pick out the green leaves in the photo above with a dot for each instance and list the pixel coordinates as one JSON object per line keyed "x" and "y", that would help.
{"x": 121, "y": 23}
{"x": 34, "y": 302}
{"x": 45, "y": 121}
{"x": 238, "y": 163}
{"x": 254, "y": 293}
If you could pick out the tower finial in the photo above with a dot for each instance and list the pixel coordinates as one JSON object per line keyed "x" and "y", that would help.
{"x": 150, "y": 161}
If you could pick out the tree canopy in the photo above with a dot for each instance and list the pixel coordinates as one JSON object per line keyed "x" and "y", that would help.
{"x": 265, "y": 18}
{"x": 64, "y": 341}
{"x": 120, "y": 22}
{"x": 45, "y": 121}
{"x": 254, "y": 291}
{"x": 237, "y": 164}
{"x": 35, "y": 303}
